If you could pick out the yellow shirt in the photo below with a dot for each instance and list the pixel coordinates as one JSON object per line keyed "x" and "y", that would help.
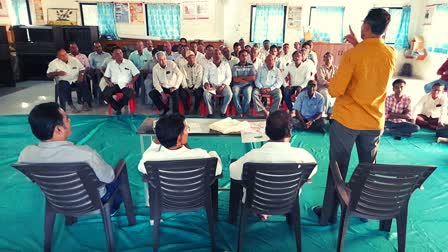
{"x": 360, "y": 85}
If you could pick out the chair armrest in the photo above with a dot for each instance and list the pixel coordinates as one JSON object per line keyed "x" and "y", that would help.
{"x": 341, "y": 187}
{"x": 119, "y": 167}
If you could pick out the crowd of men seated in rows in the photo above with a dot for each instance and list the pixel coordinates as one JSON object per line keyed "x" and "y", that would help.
{"x": 247, "y": 74}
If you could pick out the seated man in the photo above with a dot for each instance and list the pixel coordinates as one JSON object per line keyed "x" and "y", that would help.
{"x": 324, "y": 76}
{"x": 264, "y": 51}
{"x": 277, "y": 150}
{"x": 230, "y": 59}
{"x": 51, "y": 125}
{"x": 286, "y": 58}
{"x": 194, "y": 49}
{"x": 308, "y": 45}
{"x": 243, "y": 77}
{"x": 308, "y": 109}
{"x": 398, "y": 112}
{"x": 74, "y": 52}
{"x": 172, "y": 144}
{"x": 96, "y": 60}
{"x": 149, "y": 46}
{"x": 169, "y": 54}
{"x": 236, "y": 49}
{"x": 166, "y": 78}
{"x": 443, "y": 72}
{"x": 182, "y": 59}
{"x": 68, "y": 73}
{"x": 217, "y": 78}
{"x": 254, "y": 59}
{"x": 208, "y": 57}
{"x": 120, "y": 76}
{"x": 139, "y": 58}
{"x": 431, "y": 111}
{"x": 300, "y": 73}
{"x": 192, "y": 82}
{"x": 268, "y": 82}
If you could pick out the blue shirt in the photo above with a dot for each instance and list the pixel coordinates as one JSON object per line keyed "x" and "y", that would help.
{"x": 140, "y": 60}
{"x": 269, "y": 78}
{"x": 242, "y": 71}
{"x": 309, "y": 107}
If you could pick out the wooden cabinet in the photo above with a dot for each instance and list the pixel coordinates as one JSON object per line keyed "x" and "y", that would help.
{"x": 337, "y": 49}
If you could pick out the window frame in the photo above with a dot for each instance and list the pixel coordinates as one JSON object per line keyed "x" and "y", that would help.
{"x": 315, "y": 7}
{"x": 388, "y": 10}
{"x": 82, "y": 11}
{"x": 254, "y": 6}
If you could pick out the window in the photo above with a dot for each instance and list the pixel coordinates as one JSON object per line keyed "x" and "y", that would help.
{"x": 89, "y": 14}
{"x": 323, "y": 30}
{"x": 163, "y": 21}
{"x": 394, "y": 25}
{"x": 21, "y": 12}
{"x": 438, "y": 42}
{"x": 268, "y": 22}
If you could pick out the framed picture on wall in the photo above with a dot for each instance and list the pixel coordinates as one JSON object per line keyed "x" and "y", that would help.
{"x": 429, "y": 12}
{"x": 3, "y": 9}
{"x": 62, "y": 16}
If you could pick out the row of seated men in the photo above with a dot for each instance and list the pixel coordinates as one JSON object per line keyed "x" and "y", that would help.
{"x": 218, "y": 71}
{"x": 52, "y": 126}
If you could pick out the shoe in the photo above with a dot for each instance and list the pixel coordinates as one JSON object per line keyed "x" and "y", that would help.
{"x": 210, "y": 116}
{"x": 318, "y": 211}
{"x": 397, "y": 138}
{"x": 118, "y": 112}
{"x": 73, "y": 109}
{"x": 223, "y": 115}
{"x": 363, "y": 220}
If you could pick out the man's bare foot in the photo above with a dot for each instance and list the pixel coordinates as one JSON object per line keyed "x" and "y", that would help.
{"x": 264, "y": 217}
{"x": 266, "y": 113}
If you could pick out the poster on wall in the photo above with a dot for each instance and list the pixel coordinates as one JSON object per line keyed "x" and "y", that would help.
{"x": 62, "y": 16}
{"x": 195, "y": 10}
{"x": 136, "y": 13}
{"x": 122, "y": 13}
{"x": 39, "y": 12}
{"x": 3, "y": 9}
{"x": 294, "y": 17}
{"x": 429, "y": 13}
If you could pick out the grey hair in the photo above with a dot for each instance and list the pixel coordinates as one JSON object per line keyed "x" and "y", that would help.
{"x": 160, "y": 53}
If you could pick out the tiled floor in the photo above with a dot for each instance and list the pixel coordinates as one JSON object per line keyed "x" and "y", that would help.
{"x": 35, "y": 92}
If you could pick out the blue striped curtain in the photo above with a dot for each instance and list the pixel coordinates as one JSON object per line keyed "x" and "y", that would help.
{"x": 401, "y": 40}
{"x": 438, "y": 40}
{"x": 163, "y": 21}
{"x": 106, "y": 20}
{"x": 268, "y": 24}
{"x": 326, "y": 31}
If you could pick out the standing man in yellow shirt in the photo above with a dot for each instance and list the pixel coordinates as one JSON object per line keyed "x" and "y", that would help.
{"x": 359, "y": 87}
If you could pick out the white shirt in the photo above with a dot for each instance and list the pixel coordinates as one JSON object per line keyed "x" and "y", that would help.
{"x": 192, "y": 76}
{"x": 432, "y": 108}
{"x": 233, "y": 61}
{"x": 272, "y": 152}
{"x": 181, "y": 61}
{"x": 157, "y": 152}
{"x": 263, "y": 53}
{"x": 121, "y": 74}
{"x": 203, "y": 61}
{"x": 168, "y": 77}
{"x": 71, "y": 68}
{"x": 285, "y": 60}
{"x": 217, "y": 75}
{"x": 199, "y": 56}
{"x": 257, "y": 64}
{"x": 299, "y": 75}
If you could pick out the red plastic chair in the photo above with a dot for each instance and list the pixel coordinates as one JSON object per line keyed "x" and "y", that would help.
{"x": 131, "y": 104}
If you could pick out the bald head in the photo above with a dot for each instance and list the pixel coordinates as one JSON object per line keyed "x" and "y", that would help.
{"x": 269, "y": 61}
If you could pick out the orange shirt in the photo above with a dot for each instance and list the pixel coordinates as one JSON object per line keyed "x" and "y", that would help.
{"x": 360, "y": 85}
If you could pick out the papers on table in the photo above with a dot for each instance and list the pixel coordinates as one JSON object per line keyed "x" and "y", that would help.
{"x": 254, "y": 133}
{"x": 228, "y": 125}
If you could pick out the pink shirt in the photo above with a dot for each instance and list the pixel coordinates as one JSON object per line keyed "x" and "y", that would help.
{"x": 82, "y": 58}
{"x": 398, "y": 107}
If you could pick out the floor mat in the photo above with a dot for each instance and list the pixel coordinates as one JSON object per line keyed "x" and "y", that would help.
{"x": 22, "y": 203}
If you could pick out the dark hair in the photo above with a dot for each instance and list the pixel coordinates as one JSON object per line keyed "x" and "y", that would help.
{"x": 266, "y": 41}
{"x": 60, "y": 49}
{"x": 236, "y": 44}
{"x": 272, "y": 47}
{"x": 115, "y": 48}
{"x": 328, "y": 54}
{"x": 398, "y": 81}
{"x": 183, "y": 39}
{"x": 306, "y": 44}
{"x": 437, "y": 84}
{"x": 278, "y": 125}
{"x": 193, "y": 43}
{"x": 208, "y": 46}
{"x": 168, "y": 129}
{"x": 377, "y": 19}
{"x": 241, "y": 52}
{"x": 311, "y": 83}
{"x": 154, "y": 51}
{"x": 296, "y": 52}
{"x": 44, "y": 118}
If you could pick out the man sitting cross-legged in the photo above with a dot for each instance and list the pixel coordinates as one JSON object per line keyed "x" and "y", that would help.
{"x": 268, "y": 82}
{"x": 166, "y": 78}
{"x": 172, "y": 144}
{"x": 243, "y": 77}
{"x": 431, "y": 111}
{"x": 217, "y": 78}
{"x": 308, "y": 109}
{"x": 277, "y": 150}
{"x": 120, "y": 75}
{"x": 398, "y": 112}
{"x": 68, "y": 72}
{"x": 51, "y": 125}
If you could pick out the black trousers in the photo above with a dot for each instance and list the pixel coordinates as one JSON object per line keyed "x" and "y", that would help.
{"x": 342, "y": 140}
{"x": 318, "y": 125}
{"x": 108, "y": 93}
{"x": 157, "y": 99}
{"x": 64, "y": 89}
{"x": 196, "y": 93}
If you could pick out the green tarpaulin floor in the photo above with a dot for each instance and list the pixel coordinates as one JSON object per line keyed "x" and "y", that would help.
{"x": 22, "y": 203}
